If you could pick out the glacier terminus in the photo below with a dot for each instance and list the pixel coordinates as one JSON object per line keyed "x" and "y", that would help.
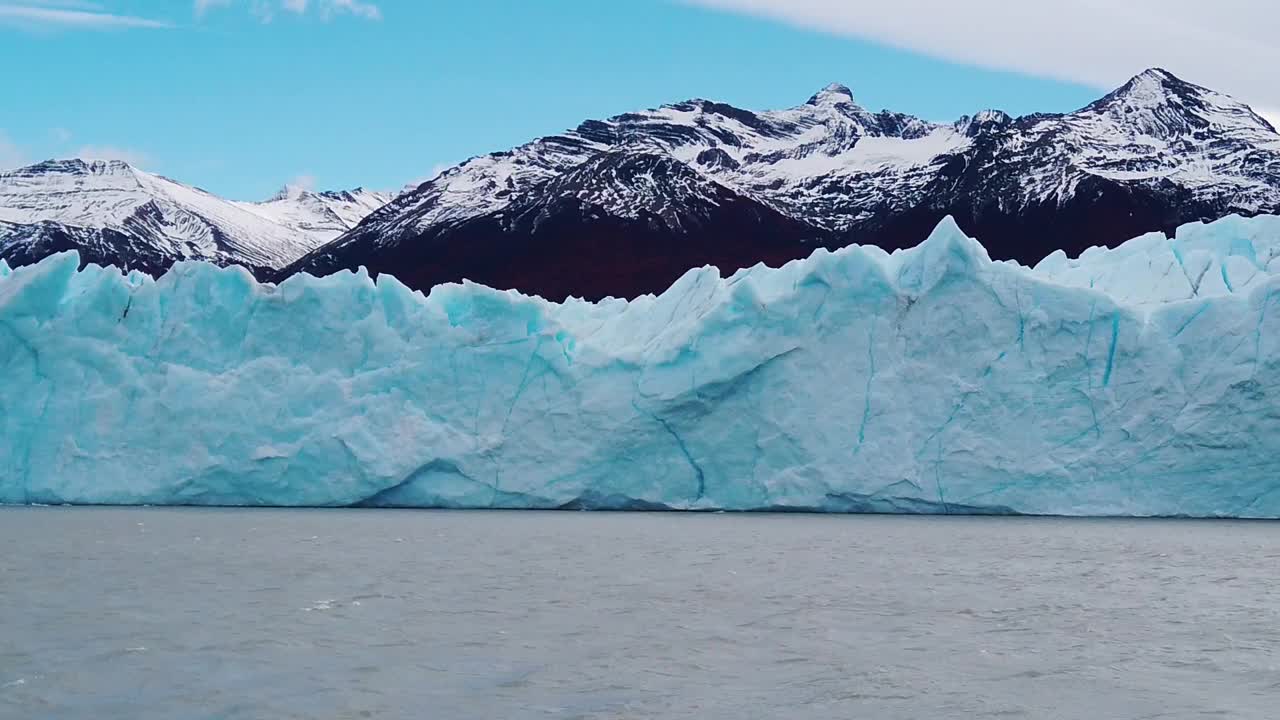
{"x": 1141, "y": 380}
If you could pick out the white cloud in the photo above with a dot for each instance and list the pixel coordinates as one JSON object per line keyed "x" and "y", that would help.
{"x": 303, "y": 182}
{"x": 74, "y": 4}
{"x": 108, "y": 152}
{"x": 265, "y": 10}
{"x": 1271, "y": 115}
{"x": 36, "y": 14}
{"x": 11, "y": 156}
{"x": 1228, "y": 45}
{"x": 203, "y": 6}
{"x": 61, "y": 136}
{"x": 366, "y": 10}
{"x": 432, "y": 174}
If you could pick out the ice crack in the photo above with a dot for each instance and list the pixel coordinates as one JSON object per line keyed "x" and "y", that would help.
{"x": 866, "y": 397}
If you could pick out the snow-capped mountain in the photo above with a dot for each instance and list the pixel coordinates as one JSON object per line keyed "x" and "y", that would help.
{"x": 624, "y": 206}
{"x": 323, "y": 215}
{"x": 116, "y": 214}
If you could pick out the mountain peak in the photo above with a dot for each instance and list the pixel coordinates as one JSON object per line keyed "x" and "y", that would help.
{"x": 1151, "y": 88}
{"x": 1155, "y": 74}
{"x": 833, "y": 94}
{"x": 984, "y": 121}
{"x": 290, "y": 191}
{"x": 76, "y": 166}
{"x": 1158, "y": 103}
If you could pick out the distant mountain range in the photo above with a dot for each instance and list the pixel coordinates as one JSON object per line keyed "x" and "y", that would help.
{"x": 116, "y": 214}
{"x": 624, "y": 206}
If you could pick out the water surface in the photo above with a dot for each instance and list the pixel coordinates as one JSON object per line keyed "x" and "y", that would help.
{"x": 239, "y": 614}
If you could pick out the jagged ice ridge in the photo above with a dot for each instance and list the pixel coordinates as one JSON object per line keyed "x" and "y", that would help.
{"x": 1134, "y": 381}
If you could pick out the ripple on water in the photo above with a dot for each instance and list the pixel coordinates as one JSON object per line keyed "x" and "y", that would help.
{"x": 529, "y": 615}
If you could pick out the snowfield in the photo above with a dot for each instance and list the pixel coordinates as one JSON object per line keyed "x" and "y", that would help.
{"x": 148, "y": 216}
{"x": 1136, "y": 381}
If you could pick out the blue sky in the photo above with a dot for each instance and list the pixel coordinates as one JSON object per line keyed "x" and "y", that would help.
{"x": 240, "y": 96}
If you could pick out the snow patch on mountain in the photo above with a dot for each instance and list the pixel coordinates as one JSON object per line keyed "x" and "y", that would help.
{"x": 169, "y": 218}
{"x": 322, "y": 216}
{"x": 832, "y": 163}
{"x": 1158, "y": 128}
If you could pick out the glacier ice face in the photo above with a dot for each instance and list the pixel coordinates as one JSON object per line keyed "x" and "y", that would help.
{"x": 1201, "y": 261}
{"x": 1136, "y": 381}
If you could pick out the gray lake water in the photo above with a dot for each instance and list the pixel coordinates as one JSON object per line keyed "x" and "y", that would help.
{"x": 159, "y": 613}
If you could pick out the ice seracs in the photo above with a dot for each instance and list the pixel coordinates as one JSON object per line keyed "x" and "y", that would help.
{"x": 1200, "y": 261}
{"x": 1132, "y": 381}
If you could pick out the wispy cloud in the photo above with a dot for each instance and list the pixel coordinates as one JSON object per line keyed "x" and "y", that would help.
{"x": 1271, "y": 115}
{"x": 136, "y": 158}
{"x": 73, "y": 14}
{"x": 11, "y": 156}
{"x": 366, "y": 10}
{"x": 266, "y": 10}
{"x": 304, "y": 181}
{"x": 432, "y": 174}
{"x": 1227, "y": 44}
{"x": 203, "y": 6}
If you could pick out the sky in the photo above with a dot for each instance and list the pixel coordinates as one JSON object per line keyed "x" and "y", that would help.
{"x": 243, "y": 96}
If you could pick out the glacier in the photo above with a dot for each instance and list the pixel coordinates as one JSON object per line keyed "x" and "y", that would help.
{"x": 1136, "y": 381}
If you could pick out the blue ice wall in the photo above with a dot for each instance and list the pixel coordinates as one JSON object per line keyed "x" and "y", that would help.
{"x": 929, "y": 380}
